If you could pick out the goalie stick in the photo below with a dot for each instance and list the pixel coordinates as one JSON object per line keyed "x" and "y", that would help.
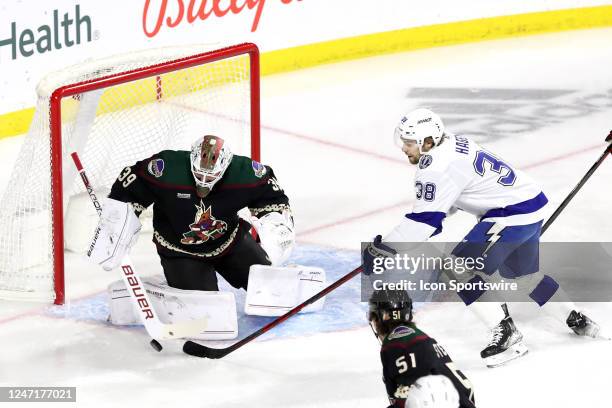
{"x": 133, "y": 283}
{"x": 199, "y": 350}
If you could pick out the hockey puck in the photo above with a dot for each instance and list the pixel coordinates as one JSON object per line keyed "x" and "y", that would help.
{"x": 155, "y": 344}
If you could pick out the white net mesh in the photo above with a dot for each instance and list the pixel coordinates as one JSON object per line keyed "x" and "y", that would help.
{"x": 112, "y": 127}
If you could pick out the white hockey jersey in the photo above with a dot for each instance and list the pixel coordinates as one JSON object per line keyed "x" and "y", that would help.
{"x": 459, "y": 174}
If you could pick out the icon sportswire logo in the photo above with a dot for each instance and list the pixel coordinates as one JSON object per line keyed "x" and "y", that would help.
{"x": 67, "y": 30}
{"x": 191, "y": 10}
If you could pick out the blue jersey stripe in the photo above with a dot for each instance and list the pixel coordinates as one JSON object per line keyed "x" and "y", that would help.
{"x": 524, "y": 207}
{"x": 431, "y": 218}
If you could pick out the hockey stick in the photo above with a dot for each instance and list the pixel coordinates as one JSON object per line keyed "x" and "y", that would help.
{"x": 134, "y": 286}
{"x": 570, "y": 196}
{"x": 581, "y": 183}
{"x": 199, "y": 350}
{"x": 583, "y": 180}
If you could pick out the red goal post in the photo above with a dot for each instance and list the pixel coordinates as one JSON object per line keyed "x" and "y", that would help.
{"x": 118, "y": 111}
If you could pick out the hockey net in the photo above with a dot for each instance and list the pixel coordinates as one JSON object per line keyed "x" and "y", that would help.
{"x": 114, "y": 112}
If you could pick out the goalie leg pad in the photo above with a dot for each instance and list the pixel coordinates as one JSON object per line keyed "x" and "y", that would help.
{"x": 274, "y": 290}
{"x": 176, "y": 305}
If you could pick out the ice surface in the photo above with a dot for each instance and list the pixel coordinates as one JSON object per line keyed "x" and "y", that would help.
{"x": 545, "y": 103}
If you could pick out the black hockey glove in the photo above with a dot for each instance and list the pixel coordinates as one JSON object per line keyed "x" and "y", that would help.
{"x": 374, "y": 254}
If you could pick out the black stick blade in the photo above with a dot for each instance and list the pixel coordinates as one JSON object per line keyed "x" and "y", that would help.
{"x": 198, "y": 350}
{"x": 155, "y": 344}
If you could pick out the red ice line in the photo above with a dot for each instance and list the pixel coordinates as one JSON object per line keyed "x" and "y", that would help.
{"x": 353, "y": 217}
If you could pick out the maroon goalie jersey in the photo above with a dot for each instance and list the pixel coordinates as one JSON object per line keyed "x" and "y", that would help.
{"x": 185, "y": 224}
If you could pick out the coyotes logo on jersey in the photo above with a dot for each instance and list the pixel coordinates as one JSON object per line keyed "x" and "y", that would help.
{"x": 205, "y": 227}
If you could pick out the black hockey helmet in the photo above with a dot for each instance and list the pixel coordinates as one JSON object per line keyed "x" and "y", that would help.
{"x": 390, "y": 308}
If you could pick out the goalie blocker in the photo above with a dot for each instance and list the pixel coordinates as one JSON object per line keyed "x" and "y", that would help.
{"x": 116, "y": 233}
{"x": 272, "y": 291}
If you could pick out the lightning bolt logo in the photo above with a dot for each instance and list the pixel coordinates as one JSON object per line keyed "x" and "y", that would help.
{"x": 494, "y": 235}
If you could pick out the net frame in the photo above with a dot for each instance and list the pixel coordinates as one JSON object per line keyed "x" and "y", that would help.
{"x": 151, "y": 71}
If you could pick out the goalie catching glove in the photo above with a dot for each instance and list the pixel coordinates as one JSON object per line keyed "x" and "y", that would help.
{"x": 116, "y": 233}
{"x": 277, "y": 235}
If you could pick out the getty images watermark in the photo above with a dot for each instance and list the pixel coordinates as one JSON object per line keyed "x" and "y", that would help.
{"x": 413, "y": 264}
{"x": 443, "y": 272}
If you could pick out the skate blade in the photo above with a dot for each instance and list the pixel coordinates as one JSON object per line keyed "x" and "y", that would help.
{"x": 513, "y": 352}
{"x": 602, "y": 335}
{"x": 595, "y": 332}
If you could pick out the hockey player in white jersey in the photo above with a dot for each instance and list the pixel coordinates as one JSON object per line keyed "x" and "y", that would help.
{"x": 454, "y": 173}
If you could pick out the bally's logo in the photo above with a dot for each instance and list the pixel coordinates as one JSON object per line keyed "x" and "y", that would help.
{"x": 184, "y": 12}
{"x": 62, "y": 31}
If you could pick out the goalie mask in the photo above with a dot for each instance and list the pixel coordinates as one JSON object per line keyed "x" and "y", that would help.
{"x": 388, "y": 309}
{"x": 417, "y": 126}
{"x": 210, "y": 157}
